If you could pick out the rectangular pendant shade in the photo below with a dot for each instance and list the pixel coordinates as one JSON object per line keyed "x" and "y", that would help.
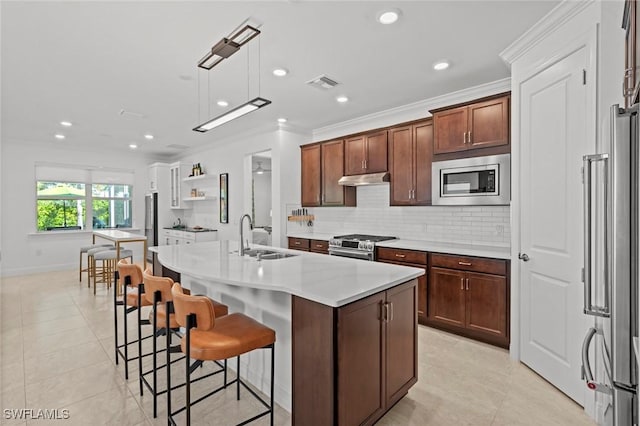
{"x": 228, "y": 45}
{"x": 239, "y": 111}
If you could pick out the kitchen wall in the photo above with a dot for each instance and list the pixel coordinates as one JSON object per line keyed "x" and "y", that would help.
{"x": 25, "y": 251}
{"x": 234, "y": 157}
{"x": 488, "y": 225}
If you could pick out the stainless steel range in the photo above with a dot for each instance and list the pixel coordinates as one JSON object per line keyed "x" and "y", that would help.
{"x": 357, "y": 246}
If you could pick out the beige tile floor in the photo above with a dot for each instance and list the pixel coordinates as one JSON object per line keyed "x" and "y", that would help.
{"x": 56, "y": 352}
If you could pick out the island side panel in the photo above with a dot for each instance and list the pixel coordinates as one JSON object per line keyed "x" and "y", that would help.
{"x": 312, "y": 326}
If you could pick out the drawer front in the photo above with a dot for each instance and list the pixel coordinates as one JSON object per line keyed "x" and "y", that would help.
{"x": 191, "y": 236}
{"x": 470, "y": 263}
{"x": 298, "y": 243}
{"x": 399, "y": 255}
{"x": 319, "y": 246}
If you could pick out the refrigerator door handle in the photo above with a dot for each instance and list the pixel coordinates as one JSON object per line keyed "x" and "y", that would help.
{"x": 589, "y": 307}
{"x": 587, "y": 374}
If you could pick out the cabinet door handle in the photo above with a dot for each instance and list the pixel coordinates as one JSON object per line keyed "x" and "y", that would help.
{"x": 362, "y": 164}
{"x": 365, "y": 164}
{"x": 464, "y": 263}
{"x": 402, "y": 256}
{"x": 461, "y": 283}
{"x": 466, "y": 285}
{"x": 297, "y": 243}
{"x": 391, "y": 311}
{"x": 318, "y": 245}
{"x": 464, "y": 138}
{"x": 469, "y": 136}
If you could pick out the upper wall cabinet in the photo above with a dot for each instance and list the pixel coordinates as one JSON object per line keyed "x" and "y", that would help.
{"x": 366, "y": 153}
{"x": 311, "y": 177}
{"x": 410, "y": 153}
{"x": 178, "y": 172}
{"x": 322, "y": 167}
{"x": 480, "y": 124}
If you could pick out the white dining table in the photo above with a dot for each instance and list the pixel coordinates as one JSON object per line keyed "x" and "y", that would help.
{"x": 119, "y": 237}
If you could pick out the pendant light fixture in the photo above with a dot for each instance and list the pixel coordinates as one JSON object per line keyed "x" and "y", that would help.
{"x": 222, "y": 50}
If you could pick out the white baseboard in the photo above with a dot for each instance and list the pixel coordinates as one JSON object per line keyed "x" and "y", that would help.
{"x": 36, "y": 269}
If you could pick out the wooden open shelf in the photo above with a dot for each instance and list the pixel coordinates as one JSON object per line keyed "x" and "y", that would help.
{"x": 304, "y": 218}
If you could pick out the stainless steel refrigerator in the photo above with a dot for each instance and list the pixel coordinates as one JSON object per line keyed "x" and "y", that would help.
{"x": 151, "y": 223}
{"x": 611, "y": 192}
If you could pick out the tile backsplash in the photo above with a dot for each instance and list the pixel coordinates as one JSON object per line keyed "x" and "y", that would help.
{"x": 466, "y": 224}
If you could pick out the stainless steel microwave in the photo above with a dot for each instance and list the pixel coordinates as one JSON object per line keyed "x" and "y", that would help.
{"x": 472, "y": 181}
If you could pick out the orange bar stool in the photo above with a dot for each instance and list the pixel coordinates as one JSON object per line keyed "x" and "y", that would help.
{"x": 208, "y": 338}
{"x": 84, "y": 250}
{"x": 158, "y": 291}
{"x": 133, "y": 299}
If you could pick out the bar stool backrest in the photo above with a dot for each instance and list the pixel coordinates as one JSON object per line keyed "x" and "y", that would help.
{"x": 126, "y": 269}
{"x": 153, "y": 284}
{"x": 201, "y": 306}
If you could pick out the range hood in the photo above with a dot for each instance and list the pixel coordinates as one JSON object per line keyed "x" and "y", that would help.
{"x": 368, "y": 179}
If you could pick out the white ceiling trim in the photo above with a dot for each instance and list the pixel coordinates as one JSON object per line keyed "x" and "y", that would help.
{"x": 412, "y": 111}
{"x": 546, "y": 25}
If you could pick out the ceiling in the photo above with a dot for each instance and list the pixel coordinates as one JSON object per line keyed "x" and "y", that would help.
{"x": 119, "y": 70}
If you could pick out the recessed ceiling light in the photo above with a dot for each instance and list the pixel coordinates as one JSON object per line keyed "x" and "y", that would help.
{"x": 282, "y": 120}
{"x": 280, "y": 72}
{"x": 148, "y": 136}
{"x": 223, "y": 103}
{"x": 342, "y": 99}
{"x": 66, "y": 123}
{"x": 441, "y": 65}
{"x": 133, "y": 146}
{"x": 59, "y": 136}
{"x": 388, "y": 16}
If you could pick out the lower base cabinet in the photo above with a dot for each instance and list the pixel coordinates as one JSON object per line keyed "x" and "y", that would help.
{"x": 470, "y": 296}
{"x": 416, "y": 259}
{"x": 352, "y": 364}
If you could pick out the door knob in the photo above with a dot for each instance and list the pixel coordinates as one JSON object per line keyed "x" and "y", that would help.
{"x": 523, "y": 256}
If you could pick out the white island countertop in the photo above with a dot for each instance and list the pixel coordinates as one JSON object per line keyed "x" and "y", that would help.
{"x": 330, "y": 280}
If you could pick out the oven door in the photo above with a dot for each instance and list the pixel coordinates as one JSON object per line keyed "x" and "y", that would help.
{"x": 349, "y": 252}
{"x": 472, "y": 181}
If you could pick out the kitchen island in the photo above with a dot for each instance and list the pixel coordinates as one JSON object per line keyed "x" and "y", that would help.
{"x": 346, "y": 329}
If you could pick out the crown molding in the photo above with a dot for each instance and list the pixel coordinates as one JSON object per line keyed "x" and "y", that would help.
{"x": 546, "y": 25}
{"x": 409, "y": 112}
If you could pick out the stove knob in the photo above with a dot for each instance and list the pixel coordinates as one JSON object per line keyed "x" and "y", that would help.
{"x": 369, "y": 246}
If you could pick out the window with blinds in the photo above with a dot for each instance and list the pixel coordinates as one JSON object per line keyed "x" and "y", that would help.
{"x": 82, "y": 198}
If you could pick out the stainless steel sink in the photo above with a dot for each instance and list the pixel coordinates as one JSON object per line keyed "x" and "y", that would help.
{"x": 277, "y": 255}
{"x": 256, "y": 252}
{"x": 264, "y": 254}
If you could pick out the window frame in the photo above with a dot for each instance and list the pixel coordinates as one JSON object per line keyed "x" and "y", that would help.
{"x": 88, "y": 199}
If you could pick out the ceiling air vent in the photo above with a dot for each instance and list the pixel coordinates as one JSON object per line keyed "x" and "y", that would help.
{"x": 322, "y": 82}
{"x": 177, "y": 146}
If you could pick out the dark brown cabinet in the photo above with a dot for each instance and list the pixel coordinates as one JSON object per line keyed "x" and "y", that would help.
{"x": 366, "y": 153}
{"x": 410, "y": 155}
{"x": 319, "y": 246}
{"x": 305, "y": 244}
{"x": 322, "y": 166}
{"x": 480, "y": 124}
{"x": 353, "y": 363}
{"x": 301, "y": 244}
{"x": 416, "y": 259}
{"x": 469, "y": 296}
{"x": 311, "y": 176}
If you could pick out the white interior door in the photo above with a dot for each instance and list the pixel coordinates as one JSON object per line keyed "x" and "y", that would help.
{"x": 553, "y": 139}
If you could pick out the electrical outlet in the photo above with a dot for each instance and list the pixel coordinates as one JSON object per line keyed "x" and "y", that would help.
{"x": 500, "y": 229}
